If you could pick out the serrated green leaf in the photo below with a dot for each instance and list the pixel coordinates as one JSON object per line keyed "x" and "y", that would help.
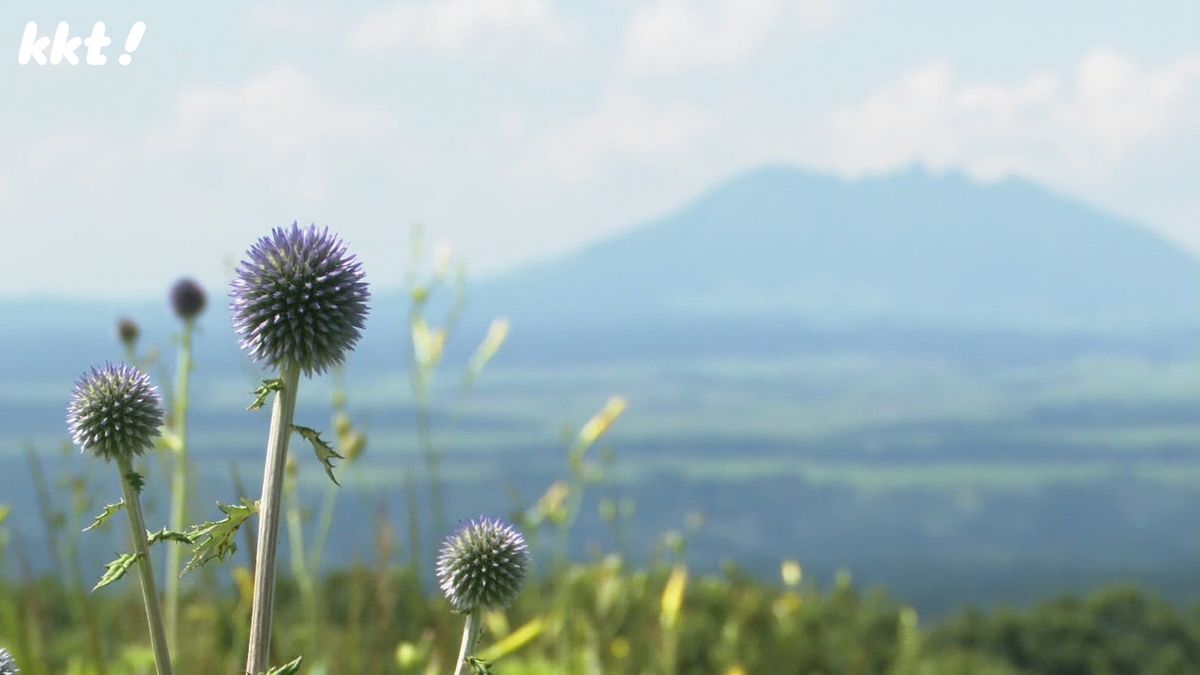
{"x": 136, "y": 481}
{"x": 215, "y": 539}
{"x": 116, "y": 569}
{"x": 324, "y": 451}
{"x": 109, "y": 511}
{"x": 287, "y": 668}
{"x": 168, "y": 535}
{"x": 263, "y": 392}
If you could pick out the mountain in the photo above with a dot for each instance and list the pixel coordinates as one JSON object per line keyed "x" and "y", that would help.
{"x": 913, "y": 248}
{"x": 779, "y": 255}
{"x": 773, "y": 261}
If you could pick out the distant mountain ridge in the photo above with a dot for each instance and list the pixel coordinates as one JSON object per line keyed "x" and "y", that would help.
{"x": 773, "y": 261}
{"x": 911, "y": 249}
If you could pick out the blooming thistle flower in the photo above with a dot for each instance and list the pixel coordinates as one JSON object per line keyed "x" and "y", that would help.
{"x": 128, "y": 332}
{"x": 299, "y": 297}
{"x": 188, "y": 299}
{"x": 482, "y": 564}
{"x": 8, "y": 665}
{"x": 114, "y": 412}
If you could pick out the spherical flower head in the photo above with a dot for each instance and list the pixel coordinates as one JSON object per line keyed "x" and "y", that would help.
{"x": 8, "y": 665}
{"x": 188, "y": 299}
{"x": 299, "y": 297}
{"x": 128, "y": 332}
{"x": 114, "y": 412}
{"x": 482, "y": 564}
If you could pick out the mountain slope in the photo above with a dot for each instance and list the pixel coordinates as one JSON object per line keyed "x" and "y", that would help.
{"x": 913, "y": 250}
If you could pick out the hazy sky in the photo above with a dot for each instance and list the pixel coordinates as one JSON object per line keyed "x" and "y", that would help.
{"x": 516, "y": 129}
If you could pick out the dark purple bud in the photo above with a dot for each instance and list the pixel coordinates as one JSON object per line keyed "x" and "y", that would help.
{"x": 128, "y": 332}
{"x": 188, "y": 299}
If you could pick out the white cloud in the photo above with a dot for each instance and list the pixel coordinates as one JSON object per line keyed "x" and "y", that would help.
{"x": 451, "y": 27}
{"x": 669, "y": 36}
{"x": 624, "y": 127}
{"x": 279, "y": 128}
{"x": 1044, "y": 126}
{"x": 295, "y": 18}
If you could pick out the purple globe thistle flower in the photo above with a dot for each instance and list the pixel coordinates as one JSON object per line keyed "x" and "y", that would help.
{"x": 299, "y": 297}
{"x": 8, "y": 665}
{"x": 114, "y": 412}
{"x": 128, "y": 332}
{"x": 188, "y": 299}
{"x": 482, "y": 564}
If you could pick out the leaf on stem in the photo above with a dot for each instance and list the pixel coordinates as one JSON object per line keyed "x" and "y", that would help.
{"x": 215, "y": 539}
{"x": 109, "y": 511}
{"x": 168, "y": 535}
{"x": 136, "y": 481}
{"x": 479, "y": 666}
{"x": 116, "y": 569}
{"x": 263, "y": 392}
{"x": 287, "y": 668}
{"x": 324, "y": 451}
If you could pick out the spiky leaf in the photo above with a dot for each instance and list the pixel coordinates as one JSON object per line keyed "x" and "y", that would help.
{"x": 214, "y": 540}
{"x": 109, "y": 511}
{"x": 324, "y": 451}
{"x": 168, "y": 535}
{"x": 136, "y": 481}
{"x": 116, "y": 569}
{"x": 264, "y": 392}
{"x": 287, "y": 668}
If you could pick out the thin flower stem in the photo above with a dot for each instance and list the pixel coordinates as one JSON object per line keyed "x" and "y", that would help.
{"x": 179, "y": 482}
{"x": 137, "y": 526}
{"x": 282, "y": 413}
{"x": 470, "y": 637}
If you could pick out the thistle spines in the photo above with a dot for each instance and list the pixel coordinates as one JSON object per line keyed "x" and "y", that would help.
{"x": 482, "y": 564}
{"x": 114, "y": 412}
{"x": 8, "y": 665}
{"x": 299, "y": 297}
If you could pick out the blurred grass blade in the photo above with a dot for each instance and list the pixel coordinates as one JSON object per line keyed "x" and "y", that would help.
{"x": 496, "y": 335}
{"x": 514, "y": 641}
{"x": 672, "y": 597}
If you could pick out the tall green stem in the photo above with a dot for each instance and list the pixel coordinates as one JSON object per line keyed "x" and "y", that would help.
{"x": 470, "y": 637}
{"x": 137, "y": 527}
{"x": 179, "y": 482}
{"x": 282, "y": 413}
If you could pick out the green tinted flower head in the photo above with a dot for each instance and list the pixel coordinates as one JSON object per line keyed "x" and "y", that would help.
{"x": 114, "y": 412}
{"x": 8, "y": 665}
{"x": 482, "y": 564}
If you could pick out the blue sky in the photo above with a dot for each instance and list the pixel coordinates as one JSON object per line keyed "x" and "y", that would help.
{"x": 515, "y": 129}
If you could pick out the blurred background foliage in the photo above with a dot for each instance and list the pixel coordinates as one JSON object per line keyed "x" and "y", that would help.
{"x": 624, "y": 607}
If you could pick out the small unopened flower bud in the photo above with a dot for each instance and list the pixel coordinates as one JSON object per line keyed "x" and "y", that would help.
{"x": 114, "y": 412}
{"x": 128, "y": 332}
{"x": 188, "y": 299}
{"x": 299, "y": 297}
{"x": 482, "y": 564}
{"x": 8, "y": 665}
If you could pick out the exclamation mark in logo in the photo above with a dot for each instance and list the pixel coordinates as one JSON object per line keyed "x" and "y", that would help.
{"x": 132, "y": 42}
